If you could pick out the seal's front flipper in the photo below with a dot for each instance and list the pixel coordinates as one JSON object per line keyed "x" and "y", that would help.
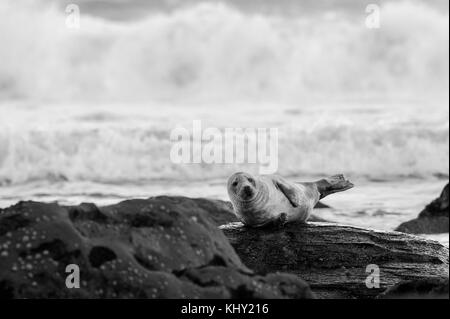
{"x": 333, "y": 184}
{"x": 288, "y": 190}
{"x": 281, "y": 221}
{"x": 277, "y": 223}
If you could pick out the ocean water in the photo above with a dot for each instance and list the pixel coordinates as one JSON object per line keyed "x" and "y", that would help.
{"x": 86, "y": 114}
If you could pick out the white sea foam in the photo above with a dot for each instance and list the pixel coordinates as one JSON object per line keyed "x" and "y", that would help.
{"x": 213, "y": 51}
{"x": 114, "y": 149}
{"x": 215, "y": 55}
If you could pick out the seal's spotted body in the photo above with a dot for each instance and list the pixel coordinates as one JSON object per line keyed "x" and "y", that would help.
{"x": 260, "y": 200}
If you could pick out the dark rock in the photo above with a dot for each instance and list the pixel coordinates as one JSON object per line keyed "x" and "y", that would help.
{"x": 221, "y": 212}
{"x": 162, "y": 247}
{"x": 426, "y": 225}
{"x": 432, "y": 220}
{"x": 438, "y": 207}
{"x": 427, "y": 288}
{"x": 333, "y": 258}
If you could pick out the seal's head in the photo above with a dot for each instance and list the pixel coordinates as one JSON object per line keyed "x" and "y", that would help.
{"x": 249, "y": 196}
{"x": 242, "y": 187}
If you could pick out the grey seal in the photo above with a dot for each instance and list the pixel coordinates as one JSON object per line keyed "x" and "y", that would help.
{"x": 265, "y": 199}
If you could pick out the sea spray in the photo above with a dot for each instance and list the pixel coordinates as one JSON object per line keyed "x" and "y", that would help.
{"x": 113, "y": 153}
{"x": 211, "y": 51}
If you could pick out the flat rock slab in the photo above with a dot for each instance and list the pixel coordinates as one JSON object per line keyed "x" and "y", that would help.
{"x": 162, "y": 247}
{"x": 333, "y": 258}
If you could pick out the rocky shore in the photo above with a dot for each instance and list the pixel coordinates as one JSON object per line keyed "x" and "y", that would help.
{"x": 173, "y": 247}
{"x": 337, "y": 260}
{"x": 433, "y": 219}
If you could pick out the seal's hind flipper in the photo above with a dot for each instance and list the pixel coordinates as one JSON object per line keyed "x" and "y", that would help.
{"x": 333, "y": 184}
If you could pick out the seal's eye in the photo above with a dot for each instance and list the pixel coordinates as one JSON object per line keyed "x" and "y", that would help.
{"x": 250, "y": 180}
{"x": 235, "y": 183}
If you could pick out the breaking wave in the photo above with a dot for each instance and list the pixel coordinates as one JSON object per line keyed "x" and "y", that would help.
{"x": 216, "y": 52}
{"x": 135, "y": 155}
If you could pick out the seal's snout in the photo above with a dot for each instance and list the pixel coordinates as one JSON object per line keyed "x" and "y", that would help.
{"x": 246, "y": 192}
